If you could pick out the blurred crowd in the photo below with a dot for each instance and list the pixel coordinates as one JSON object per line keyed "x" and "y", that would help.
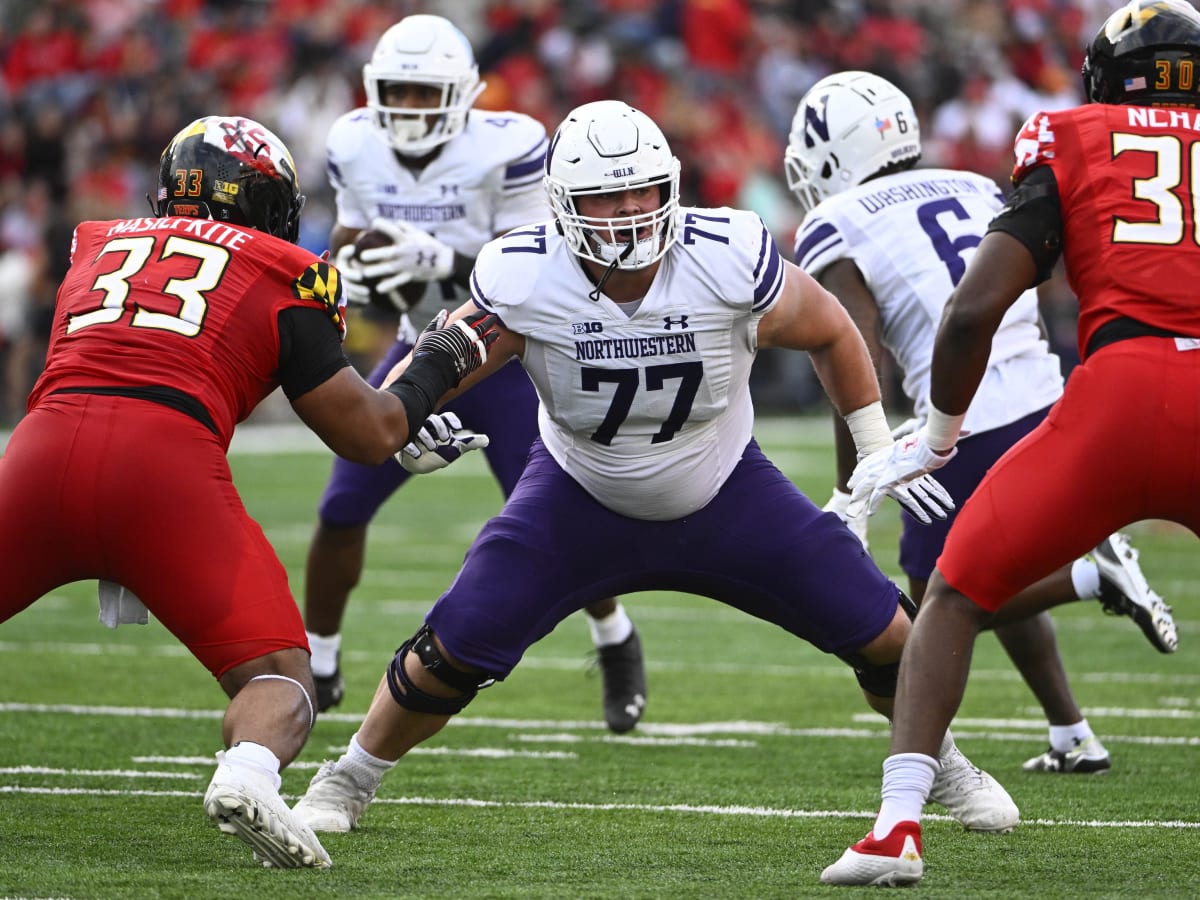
{"x": 92, "y": 90}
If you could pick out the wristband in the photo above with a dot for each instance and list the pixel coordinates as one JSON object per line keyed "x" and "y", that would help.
{"x": 869, "y": 428}
{"x": 427, "y": 378}
{"x": 942, "y": 429}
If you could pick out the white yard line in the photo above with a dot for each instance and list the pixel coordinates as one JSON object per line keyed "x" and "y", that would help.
{"x": 682, "y": 808}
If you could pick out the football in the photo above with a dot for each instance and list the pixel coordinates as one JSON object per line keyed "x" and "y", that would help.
{"x": 409, "y": 295}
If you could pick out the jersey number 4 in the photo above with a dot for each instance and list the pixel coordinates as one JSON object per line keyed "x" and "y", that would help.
{"x": 190, "y": 291}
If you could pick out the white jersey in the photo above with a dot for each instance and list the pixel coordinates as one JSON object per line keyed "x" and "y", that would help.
{"x": 649, "y": 412}
{"x": 484, "y": 182}
{"x": 911, "y": 235}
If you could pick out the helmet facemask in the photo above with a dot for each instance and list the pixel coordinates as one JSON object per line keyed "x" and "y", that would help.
{"x": 416, "y": 130}
{"x": 629, "y": 242}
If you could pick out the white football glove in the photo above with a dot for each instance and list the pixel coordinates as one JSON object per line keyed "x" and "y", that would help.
{"x": 838, "y": 505}
{"x": 900, "y": 471}
{"x": 441, "y": 441}
{"x": 414, "y": 256}
{"x": 354, "y": 283}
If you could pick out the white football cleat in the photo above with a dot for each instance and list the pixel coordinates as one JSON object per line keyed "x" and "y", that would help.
{"x": 1086, "y": 758}
{"x": 891, "y": 862}
{"x": 333, "y": 802}
{"x": 971, "y": 795}
{"x": 246, "y": 804}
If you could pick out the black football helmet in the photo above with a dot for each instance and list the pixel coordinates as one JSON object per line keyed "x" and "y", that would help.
{"x": 232, "y": 170}
{"x": 1147, "y": 53}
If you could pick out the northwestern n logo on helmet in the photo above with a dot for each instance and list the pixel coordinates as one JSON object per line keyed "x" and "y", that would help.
{"x": 816, "y": 120}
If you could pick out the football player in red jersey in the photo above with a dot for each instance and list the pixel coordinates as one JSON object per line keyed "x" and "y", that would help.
{"x": 1112, "y": 187}
{"x": 168, "y": 331}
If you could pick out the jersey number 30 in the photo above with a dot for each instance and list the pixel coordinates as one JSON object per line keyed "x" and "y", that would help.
{"x": 1168, "y": 225}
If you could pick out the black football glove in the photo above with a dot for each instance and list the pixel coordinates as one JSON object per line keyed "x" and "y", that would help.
{"x": 465, "y": 342}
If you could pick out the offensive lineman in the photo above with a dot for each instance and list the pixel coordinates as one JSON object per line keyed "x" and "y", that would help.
{"x": 638, "y": 322}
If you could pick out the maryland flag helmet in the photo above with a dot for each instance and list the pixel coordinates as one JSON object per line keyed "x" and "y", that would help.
{"x": 234, "y": 170}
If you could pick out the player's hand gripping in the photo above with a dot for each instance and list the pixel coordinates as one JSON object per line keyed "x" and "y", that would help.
{"x": 464, "y": 342}
{"x": 901, "y": 471}
{"x": 440, "y": 442}
{"x": 413, "y": 255}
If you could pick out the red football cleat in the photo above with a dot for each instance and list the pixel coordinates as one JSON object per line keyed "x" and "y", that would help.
{"x": 893, "y": 861}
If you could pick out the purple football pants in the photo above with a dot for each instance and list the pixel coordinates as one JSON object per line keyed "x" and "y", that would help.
{"x": 760, "y": 545}
{"x": 504, "y": 407}
{"x": 921, "y": 545}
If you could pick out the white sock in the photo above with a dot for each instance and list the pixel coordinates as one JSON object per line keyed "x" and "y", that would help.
{"x": 366, "y": 770}
{"x": 612, "y": 629}
{"x": 1085, "y": 577}
{"x": 1068, "y": 737}
{"x": 324, "y": 650}
{"x": 907, "y": 780}
{"x": 255, "y": 756}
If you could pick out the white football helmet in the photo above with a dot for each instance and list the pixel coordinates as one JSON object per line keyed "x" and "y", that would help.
{"x": 610, "y": 146}
{"x": 848, "y": 127}
{"x": 423, "y": 50}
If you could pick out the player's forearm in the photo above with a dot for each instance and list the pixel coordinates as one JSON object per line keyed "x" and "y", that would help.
{"x": 846, "y": 372}
{"x": 845, "y": 452}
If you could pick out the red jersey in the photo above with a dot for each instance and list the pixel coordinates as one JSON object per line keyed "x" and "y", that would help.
{"x": 181, "y": 303}
{"x": 1128, "y": 181}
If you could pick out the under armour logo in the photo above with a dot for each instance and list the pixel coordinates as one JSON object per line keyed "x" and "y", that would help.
{"x": 671, "y": 323}
{"x": 450, "y": 190}
{"x": 426, "y": 259}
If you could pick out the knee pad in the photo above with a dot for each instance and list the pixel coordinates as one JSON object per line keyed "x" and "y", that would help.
{"x": 877, "y": 680}
{"x": 409, "y": 696}
{"x": 907, "y": 604}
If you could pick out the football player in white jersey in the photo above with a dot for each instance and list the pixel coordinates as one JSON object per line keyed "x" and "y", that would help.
{"x": 891, "y": 241}
{"x": 439, "y": 179}
{"x": 638, "y": 321}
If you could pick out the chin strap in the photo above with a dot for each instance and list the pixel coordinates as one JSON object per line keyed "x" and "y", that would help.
{"x": 594, "y": 295}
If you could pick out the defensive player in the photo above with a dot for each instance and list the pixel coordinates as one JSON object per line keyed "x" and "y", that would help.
{"x": 890, "y": 242}
{"x": 167, "y": 332}
{"x": 1110, "y": 186}
{"x": 638, "y": 322}
{"x": 419, "y": 164}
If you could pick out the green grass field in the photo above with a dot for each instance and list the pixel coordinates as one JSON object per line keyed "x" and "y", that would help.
{"x": 755, "y": 766}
